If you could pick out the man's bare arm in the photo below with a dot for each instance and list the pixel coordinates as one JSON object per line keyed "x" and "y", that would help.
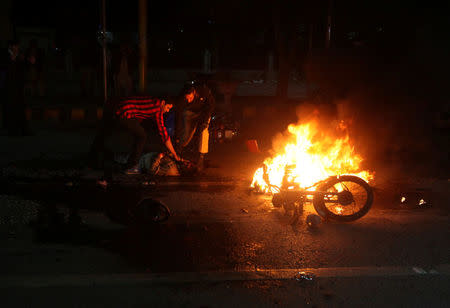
{"x": 169, "y": 146}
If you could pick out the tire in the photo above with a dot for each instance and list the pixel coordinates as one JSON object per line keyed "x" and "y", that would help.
{"x": 353, "y": 189}
{"x": 149, "y": 211}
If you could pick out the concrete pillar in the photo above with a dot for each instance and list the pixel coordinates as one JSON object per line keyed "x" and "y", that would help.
{"x": 6, "y": 26}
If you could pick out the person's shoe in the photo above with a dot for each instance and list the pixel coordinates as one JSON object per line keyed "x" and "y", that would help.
{"x": 133, "y": 170}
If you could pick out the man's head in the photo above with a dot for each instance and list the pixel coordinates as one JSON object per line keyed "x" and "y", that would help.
{"x": 13, "y": 49}
{"x": 13, "y": 42}
{"x": 190, "y": 95}
{"x": 13, "y": 45}
{"x": 167, "y": 104}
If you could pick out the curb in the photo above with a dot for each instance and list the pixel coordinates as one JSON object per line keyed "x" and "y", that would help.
{"x": 33, "y": 281}
{"x": 62, "y": 114}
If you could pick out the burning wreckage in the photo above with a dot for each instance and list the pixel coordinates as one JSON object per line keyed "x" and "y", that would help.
{"x": 308, "y": 165}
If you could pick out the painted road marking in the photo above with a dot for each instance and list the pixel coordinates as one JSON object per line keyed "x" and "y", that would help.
{"x": 30, "y": 281}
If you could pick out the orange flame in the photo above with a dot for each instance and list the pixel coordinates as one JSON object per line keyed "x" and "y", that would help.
{"x": 311, "y": 156}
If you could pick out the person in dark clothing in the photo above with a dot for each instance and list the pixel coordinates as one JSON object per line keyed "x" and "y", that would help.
{"x": 3, "y": 70}
{"x": 123, "y": 66}
{"x": 193, "y": 112}
{"x": 88, "y": 61}
{"x": 14, "y": 108}
{"x": 128, "y": 114}
{"x": 34, "y": 57}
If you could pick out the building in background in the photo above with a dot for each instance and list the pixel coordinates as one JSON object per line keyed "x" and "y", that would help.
{"x": 6, "y": 26}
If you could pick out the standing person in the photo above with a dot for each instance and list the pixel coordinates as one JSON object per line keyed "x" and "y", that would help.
{"x": 4, "y": 59}
{"x": 193, "y": 112}
{"x": 123, "y": 66}
{"x": 128, "y": 114}
{"x": 89, "y": 62}
{"x": 34, "y": 58}
{"x": 16, "y": 122}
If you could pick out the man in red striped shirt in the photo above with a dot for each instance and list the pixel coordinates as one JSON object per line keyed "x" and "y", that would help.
{"x": 127, "y": 114}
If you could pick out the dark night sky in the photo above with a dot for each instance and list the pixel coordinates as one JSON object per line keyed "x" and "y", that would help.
{"x": 239, "y": 21}
{"x": 83, "y": 15}
{"x": 409, "y": 38}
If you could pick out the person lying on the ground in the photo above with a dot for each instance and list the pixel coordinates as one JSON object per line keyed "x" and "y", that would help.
{"x": 127, "y": 114}
{"x": 161, "y": 164}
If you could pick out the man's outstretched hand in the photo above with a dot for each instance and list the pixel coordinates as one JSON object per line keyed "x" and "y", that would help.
{"x": 175, "y": 156}
{"x": 169, "y": 146}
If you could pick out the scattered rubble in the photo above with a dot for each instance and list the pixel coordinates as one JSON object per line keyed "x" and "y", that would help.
{"x": 313, "y": 221}
{"x": 17, "y": 211}
{"x": 305, "y": 278}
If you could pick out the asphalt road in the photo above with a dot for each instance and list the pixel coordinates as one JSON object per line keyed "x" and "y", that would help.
{"x": 230, "y": 230}
{"x": 224, "y": 246}
{"x": 224, "y": 233}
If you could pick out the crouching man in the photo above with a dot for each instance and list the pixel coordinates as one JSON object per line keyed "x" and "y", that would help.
{"x": 127, "y": 115}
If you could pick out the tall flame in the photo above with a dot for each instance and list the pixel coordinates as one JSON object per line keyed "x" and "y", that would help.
{"x": 311, "y": 156}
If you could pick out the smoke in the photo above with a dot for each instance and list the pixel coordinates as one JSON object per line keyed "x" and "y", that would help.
{"x": 388, "y": 109}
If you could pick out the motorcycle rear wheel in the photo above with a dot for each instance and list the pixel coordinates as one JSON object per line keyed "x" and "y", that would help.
{"x": 353, "y": 201}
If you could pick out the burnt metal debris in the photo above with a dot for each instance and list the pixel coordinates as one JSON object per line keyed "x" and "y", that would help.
{"x": 305, "y": 278}
{"x": 416, "y": 199}
{"x": 313, "y": 221}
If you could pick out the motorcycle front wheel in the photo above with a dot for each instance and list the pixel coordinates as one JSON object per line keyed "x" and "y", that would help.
{"x": 350, "y": 198}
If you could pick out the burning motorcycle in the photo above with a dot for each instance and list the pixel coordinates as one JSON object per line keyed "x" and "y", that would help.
{"x": 316, "y": 164}
{"x": 341, "y": 198}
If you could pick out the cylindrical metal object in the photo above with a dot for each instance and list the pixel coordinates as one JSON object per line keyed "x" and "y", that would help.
{"x": 204, "y": 140}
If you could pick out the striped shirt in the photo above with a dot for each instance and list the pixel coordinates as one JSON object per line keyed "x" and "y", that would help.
{"x": 141, "y": 108}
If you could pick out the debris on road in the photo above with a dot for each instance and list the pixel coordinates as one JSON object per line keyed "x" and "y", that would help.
{"x": 418, "y": 198}
{"x": 149, "y": 210}
{"x": 17, "y": 211}
{"x": 148, "y": 183}
{"x": 313, "y": 221}
{"x": 305, "y": 278}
